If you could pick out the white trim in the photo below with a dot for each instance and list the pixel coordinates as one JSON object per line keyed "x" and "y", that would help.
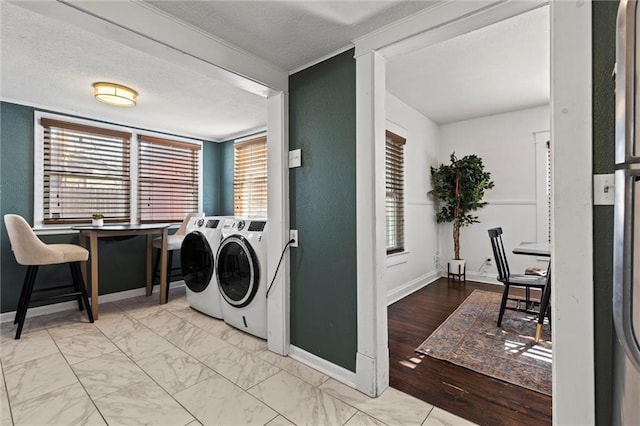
{"x": 412, "y": 286}
{"x": 38, "y": 162}
{"x": 397, "y": 258}
{"x": 278, "y": 303}
{"x": 397, "y": 129}
{"x": 446, "y": 20}
{"x": 572, "y": 214}
{"x": 330, "y": 369}
{"x": 510, "y": 202}
{"x": 420, "y": 203}
{"x": 372, "y": 358}
{"x": 321, "y": 59}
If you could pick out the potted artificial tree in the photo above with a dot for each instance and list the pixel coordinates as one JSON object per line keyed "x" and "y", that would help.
{"x": 459, "y": 186}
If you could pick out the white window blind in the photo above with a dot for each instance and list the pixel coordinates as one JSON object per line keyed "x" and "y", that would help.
{"x": 168, "y": 179}
{"x": 394, "y": 179}
{"x": 250, "y": 177}
{"x": 85, "y": 171}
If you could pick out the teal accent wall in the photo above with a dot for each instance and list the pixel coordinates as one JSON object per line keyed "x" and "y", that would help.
{"x": 322, "y": 122}
{"x": 211, "y": 178}
{"x": 603, "y": 39}
{"x": 226, "y": 178}
{"x": 122, "y": 263}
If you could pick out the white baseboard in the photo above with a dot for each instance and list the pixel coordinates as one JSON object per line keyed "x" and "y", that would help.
{"x": 332, "y": 370}
{"x": 481, "y": 278}
{"x": 72, "y": 305}
{"x": 412, "y": 286}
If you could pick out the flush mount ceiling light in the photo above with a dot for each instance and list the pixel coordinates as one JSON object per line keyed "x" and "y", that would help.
{"x": 115, "y": 94}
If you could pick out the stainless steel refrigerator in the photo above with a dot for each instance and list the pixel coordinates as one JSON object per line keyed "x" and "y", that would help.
{"x": 626, "y": 251}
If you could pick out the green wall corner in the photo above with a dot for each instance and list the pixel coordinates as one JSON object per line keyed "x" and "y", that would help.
{"x": 322, "y": 123}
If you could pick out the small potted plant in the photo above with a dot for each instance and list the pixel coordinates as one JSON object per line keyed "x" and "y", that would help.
{"x": 459, "y": 186}
{"x": 97, "y": 219}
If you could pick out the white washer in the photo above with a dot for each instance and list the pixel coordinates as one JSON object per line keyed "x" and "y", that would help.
{"x": 197, "y": 256}
{"x": 241, "y": 272}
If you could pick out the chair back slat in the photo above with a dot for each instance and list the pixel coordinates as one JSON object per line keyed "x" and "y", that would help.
{"x": 495, "y": 235}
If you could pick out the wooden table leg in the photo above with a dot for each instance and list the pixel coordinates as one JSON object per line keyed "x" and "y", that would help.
{"x": 149, "y": 262}
{"x": 94, "y": 273}
{"x": 544, "y": 304}
{"x": 163, "y": 268}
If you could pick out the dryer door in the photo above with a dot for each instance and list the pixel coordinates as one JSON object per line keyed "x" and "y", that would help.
{"x": 196, "y": 259}
{"x": 237, "y": 271}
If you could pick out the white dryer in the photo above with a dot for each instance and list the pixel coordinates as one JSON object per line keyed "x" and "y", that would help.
{"x": 241, "y": 272}
{"x": 197, "y": 256}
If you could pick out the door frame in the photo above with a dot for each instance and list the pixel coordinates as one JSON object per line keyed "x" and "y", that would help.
{"x": 573, "y": 366}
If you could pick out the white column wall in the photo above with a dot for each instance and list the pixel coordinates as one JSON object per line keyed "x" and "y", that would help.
{"x": 506, "y": 144}
{"x": 411, "y": 270}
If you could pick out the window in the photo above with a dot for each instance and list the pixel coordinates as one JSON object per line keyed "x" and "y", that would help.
{"x": 250, "y": 176}
{"x": 86, "y": 170}
{"x": 167, "y": 179}
{"x": 83, "y": 167}
{"x": 394, "y": 179}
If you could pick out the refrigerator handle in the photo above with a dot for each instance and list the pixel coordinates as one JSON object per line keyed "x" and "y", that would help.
{"x": 624, "y": 237}
{"x": 624, "y": 80}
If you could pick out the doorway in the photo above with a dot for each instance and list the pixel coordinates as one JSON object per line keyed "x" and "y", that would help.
{"x": 571, "y": 25}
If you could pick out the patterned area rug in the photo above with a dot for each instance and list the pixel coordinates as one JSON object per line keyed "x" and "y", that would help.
{"x": 470, "y": 338}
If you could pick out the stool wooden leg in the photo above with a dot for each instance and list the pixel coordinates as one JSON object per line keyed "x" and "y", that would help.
{"x": 32, "y": 271}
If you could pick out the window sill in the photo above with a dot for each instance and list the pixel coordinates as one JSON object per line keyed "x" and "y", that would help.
{"x": 397, "y": 258}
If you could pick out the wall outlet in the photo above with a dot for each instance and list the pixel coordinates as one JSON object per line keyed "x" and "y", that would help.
{"x": 293, "y": 235}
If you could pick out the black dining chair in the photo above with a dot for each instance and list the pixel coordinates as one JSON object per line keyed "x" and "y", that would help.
{"x": 518, "y": 280}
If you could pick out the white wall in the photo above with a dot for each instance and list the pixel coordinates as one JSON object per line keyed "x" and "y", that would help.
{"x": 409, "y": 271}
{"x": 506, "y": 144}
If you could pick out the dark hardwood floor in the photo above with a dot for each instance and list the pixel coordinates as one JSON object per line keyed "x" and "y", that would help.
{"x": 465, "y": 393}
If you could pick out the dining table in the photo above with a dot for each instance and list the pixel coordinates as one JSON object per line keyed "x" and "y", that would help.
{"x": 540, "y": 249}
{"x": 89, "y": 234}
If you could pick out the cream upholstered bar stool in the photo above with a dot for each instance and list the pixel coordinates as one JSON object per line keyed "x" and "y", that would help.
{"x": 174, "y": 242}
{"x": 30, "y": 251}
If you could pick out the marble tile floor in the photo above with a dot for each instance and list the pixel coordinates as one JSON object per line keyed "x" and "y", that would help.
{"x": 142, "y": 363}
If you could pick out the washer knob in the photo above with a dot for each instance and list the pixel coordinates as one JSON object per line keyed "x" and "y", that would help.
{"x": 240, "y": 225}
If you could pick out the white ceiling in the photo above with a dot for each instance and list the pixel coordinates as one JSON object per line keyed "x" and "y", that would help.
{"x": 51, "y": 65}
{"x": 290, "y": 33}
{"x": 45, "y": 63}
{"x": 499, "y": 68}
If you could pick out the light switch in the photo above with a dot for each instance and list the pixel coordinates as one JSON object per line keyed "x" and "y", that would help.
{"x": 603, "y": 193}
{"x": 295, "y": 158}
